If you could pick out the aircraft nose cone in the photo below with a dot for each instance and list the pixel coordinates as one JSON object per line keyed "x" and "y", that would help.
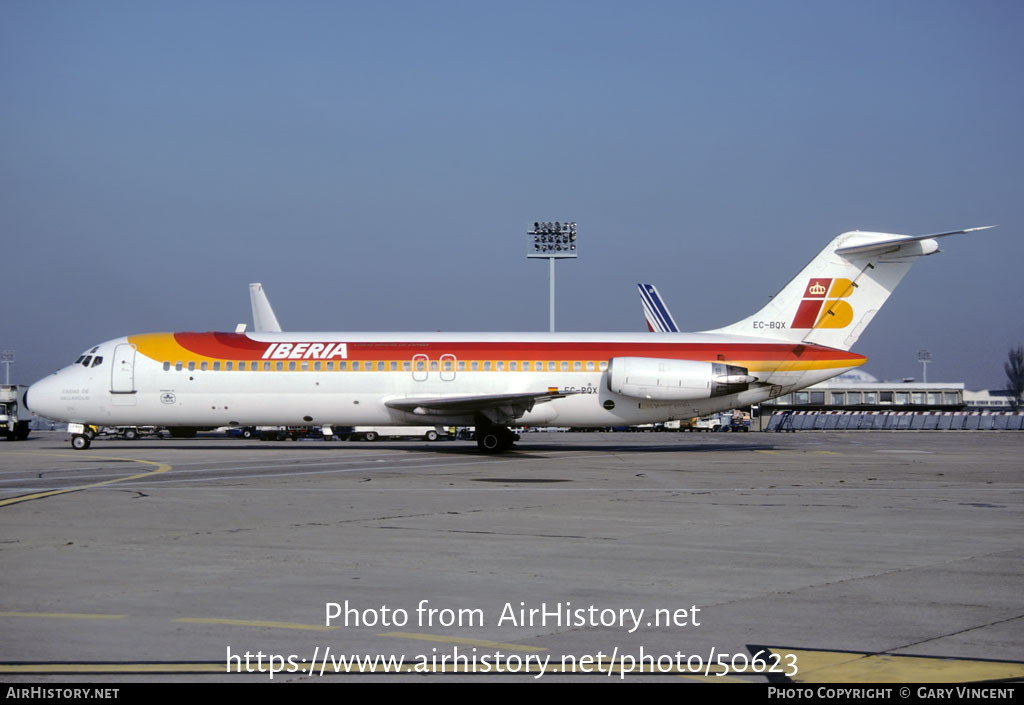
{"x": 44, "y": 397}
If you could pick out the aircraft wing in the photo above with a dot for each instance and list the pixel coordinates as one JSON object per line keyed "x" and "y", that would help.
{"x": 499, "y": 408}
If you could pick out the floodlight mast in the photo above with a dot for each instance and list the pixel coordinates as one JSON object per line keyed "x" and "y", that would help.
{"x": 7, "y": 357}
{"x": 924, "y": 357}
{"x": 551, "y": 240}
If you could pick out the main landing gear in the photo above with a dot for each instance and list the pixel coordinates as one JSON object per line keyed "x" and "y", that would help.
{"x": 494, "y": 439}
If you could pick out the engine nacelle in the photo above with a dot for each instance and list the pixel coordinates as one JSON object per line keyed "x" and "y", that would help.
{"x": 675, "y": 380}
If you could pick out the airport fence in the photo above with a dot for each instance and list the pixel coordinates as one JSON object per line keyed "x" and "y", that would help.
{"x": 895, "y": 421}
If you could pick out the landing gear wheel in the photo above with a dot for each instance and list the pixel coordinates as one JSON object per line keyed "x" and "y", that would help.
{"x": 494, "y": 439}
{"x": 80, "y": 441}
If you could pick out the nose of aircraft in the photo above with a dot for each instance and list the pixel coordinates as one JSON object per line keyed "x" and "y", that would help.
{"x": 42, "y": 398}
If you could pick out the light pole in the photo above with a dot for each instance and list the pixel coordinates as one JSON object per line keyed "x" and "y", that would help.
{"x": 551, "y": 241}
{"x": 924, "y": 357}
{"x": 7, "y": 357}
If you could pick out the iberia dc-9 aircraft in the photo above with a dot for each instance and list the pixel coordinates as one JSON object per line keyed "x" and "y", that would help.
{"x": 186, "y": 381}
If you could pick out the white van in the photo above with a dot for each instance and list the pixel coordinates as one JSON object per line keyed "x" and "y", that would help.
{"x": 372, "y": 433}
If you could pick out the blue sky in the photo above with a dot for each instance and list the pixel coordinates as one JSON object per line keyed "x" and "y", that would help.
{"x": 376, "y": 165}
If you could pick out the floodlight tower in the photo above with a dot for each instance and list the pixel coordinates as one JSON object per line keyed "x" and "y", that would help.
{"x": 924, "y": 357}
{"x": 7, "y": 357}
{"x": 551, "y": 241}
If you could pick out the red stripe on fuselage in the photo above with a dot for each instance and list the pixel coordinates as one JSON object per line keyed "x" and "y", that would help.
{"x": 235, "y": 346}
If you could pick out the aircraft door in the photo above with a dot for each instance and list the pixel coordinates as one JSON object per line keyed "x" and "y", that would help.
{"x": 447, "y": 367}
{"x": 420, "y": 367}
{"x": 122, "y": 370}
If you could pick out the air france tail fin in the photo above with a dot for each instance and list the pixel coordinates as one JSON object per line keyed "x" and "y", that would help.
{"x": 832, "y": 300}
{"x": 659, "y": 318}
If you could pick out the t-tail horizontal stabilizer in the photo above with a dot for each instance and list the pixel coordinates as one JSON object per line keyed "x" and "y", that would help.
{"x": 832, "y": 300}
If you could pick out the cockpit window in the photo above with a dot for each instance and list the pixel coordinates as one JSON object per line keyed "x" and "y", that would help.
{"x": 95, "y": 349}
{"x": 97, "y": 360}
{"x": 87, "y": 361}
{"x": 80, "y": 358}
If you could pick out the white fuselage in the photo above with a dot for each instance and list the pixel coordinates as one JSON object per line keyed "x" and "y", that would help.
{"x": 218, "y": 379}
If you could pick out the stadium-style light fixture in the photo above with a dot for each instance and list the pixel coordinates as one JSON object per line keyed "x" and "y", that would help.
{"x": 551, "y": 241}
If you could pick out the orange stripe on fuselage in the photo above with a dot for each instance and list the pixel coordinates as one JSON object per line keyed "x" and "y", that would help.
{"x": 211, "y": 347}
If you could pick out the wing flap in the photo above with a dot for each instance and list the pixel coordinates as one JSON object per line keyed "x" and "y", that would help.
{"x": 498, "y": 407}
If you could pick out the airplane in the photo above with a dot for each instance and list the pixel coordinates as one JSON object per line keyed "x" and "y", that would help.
{"x": 263, "y": 318}
{"x": 186, "y": 381}
{"x": 659, "y": 318}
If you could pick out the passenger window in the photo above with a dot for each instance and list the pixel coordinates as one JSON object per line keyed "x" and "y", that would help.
{"x": 342, "y": 365}
{"x": 191, "y": 365}
{"x": 203, "y": 365}
{"x": 380, "y": 366}
{"x": 216, "y": 366}
{"x": 487, "y": 365}
{"x": 355, "y": 365}
{"x": 316, "y": 365}
{"x": 603, "y": 366}
{"x": 565, "y": 366}
{"x": 177, "y": 365}
{"x": 280, "y": 366}
{"x": 394, "y": 366}
{"x": 551, "y": 366}
{"x": 405, "y": 365}
{"x": 291, "y": 366}
{"x": 167, "y": 366}
{"x": 590, "y": 366}
{"x": 228, "y": 366}
{"x": 577, "y": 366}
{"x": 500, "y": 365}
{"x": 433, "y": 365}
{"x": 474, "y": 365}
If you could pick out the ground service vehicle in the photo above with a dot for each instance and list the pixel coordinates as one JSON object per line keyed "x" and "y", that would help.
{"x": 12, "y": 426}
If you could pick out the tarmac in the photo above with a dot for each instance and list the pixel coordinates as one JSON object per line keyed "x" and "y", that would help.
{"x": 810, "y": 557}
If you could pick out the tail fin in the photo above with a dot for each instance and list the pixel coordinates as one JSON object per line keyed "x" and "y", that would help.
{"x": 832, "y": 300}
{"x": 659, "y": 318}
{"x": 263, "y": 318}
